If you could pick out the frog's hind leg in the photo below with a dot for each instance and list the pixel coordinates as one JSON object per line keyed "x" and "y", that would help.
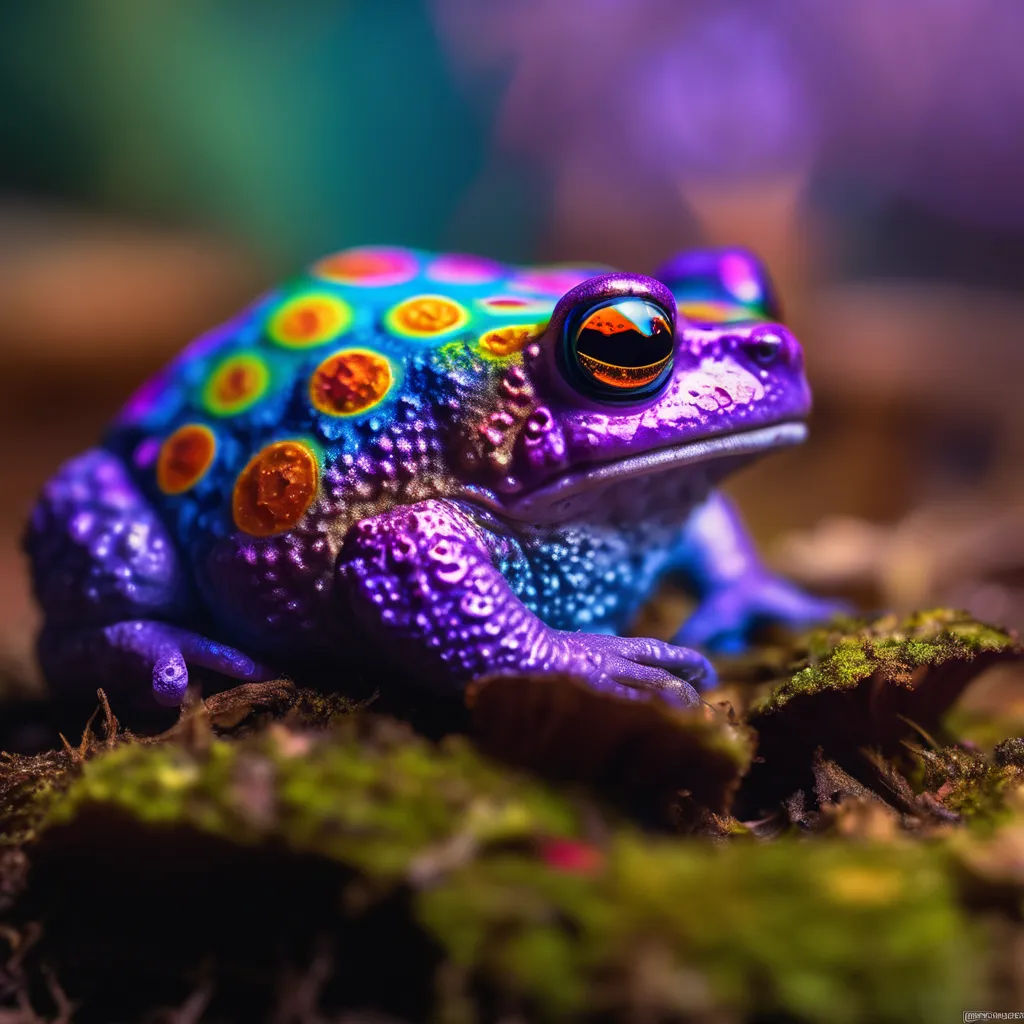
{"x": 114, "y": 592}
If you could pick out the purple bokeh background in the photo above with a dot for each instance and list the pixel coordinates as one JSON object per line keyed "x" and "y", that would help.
{"x": 923, "y": 98}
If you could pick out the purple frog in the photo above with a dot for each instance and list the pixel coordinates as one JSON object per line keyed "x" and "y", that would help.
{"x": 439, "y": 463}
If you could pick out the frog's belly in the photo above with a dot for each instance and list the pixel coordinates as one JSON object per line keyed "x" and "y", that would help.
{"x": 594, "y": 572}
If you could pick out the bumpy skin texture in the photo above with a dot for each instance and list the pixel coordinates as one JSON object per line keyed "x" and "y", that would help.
{"x": 388, "y": 460}
{"x": 420, "y": 576}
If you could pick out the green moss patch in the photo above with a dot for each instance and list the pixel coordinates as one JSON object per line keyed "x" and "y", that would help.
{"x": 507, "y": 893}
{"x": 906, "y": 653}
{"x": 865, "y": 687}
{"x": 369, "y": 793}
{"x": 668, "y": 930}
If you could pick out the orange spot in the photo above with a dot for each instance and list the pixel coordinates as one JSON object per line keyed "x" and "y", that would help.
{"x": 371, "y": 266}
{"x": 184, "y": 458}
{"x": 236, "y": 385}
{"x": 504, "y": 341}
{"x": 516, "y": 305}
{"x": 309, "y": 320}
{"x": 273, "y": 492}
{"x": 350, "y": 382}
{"x": 425, "y": 315}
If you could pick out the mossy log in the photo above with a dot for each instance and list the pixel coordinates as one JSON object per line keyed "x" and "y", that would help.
{"x": 285, "y": 855}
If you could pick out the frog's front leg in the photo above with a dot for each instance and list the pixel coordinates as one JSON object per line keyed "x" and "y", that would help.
{"x": 420, "y": 583}
{"x": 736, "y": 591}
{"x": 113, "y": 589}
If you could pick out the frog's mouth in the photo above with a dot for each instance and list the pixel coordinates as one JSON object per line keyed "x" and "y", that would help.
{"x": 560, "y": 495}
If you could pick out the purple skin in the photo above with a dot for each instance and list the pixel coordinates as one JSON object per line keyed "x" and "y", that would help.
{"x": 549, "y": 516}
{"x": 101, "y": 553}
{"x": 420, "y": 576}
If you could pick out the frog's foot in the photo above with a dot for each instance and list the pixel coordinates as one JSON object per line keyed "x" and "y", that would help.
{"x": 140, "y": 652}
{"x": 727, "y": 617}
{"x": 423, "y": 589}
{"x": 633, "y": 667}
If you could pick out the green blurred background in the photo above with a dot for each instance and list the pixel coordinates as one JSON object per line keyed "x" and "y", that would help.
{"x": 288, "y": 126}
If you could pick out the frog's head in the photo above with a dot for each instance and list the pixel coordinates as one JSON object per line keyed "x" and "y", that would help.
{"x": 684, "y": 375}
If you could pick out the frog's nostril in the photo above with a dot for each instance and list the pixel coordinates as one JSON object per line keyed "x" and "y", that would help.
{"x": 765, "y": 346}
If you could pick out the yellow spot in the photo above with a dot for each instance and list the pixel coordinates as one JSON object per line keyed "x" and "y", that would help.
{"x": 425, "y": 316}
{"x": 350, "y": 382}
{"x": 237, "y": 384}
{"x": 863, "y": 885}
{"x": 277, "y": 487}
{"x": 185, "y": 458}
{"x": 309, "y": 320}
{"x": 504, "y": 341}
{"x": 177, "y": 777}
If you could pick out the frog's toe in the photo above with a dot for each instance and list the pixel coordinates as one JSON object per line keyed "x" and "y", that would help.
{"x": 643, "y": 666}
{"x": 170, "y": 678}
{"x": 636, "y": 681}
{"x": 140, "y": 652}
{"x": 680, "y": 662}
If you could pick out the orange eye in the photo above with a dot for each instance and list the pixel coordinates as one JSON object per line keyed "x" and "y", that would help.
{"x": 620, "y": 349}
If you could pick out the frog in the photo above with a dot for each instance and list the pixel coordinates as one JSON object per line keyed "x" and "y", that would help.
{"x": 439, "y": 463}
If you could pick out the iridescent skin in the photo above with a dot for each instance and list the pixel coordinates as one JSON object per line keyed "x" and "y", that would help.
{"x": 342, "y": 476}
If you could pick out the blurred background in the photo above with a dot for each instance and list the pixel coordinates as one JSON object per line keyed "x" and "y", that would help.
{"x": 160, "y": 163}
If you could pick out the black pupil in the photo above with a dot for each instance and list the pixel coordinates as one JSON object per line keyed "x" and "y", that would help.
{"x": 625, "y": 344}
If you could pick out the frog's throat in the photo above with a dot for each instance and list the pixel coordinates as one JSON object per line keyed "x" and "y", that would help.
{"x": 735, "y": 447}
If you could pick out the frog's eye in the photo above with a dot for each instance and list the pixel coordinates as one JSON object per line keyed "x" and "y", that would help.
{"x": 620, "y": 349}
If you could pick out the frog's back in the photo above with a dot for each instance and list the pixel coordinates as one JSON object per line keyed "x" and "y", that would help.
{"x": 330, "y": 397}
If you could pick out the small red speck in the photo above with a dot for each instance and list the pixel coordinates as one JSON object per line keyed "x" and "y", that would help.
{"x": 572, "y": 856}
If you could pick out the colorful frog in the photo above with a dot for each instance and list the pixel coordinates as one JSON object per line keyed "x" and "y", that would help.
{"x": 439, "y": 463}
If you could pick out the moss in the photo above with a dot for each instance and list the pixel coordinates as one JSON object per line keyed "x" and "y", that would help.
{"x": 950, "y": 766}
{"x": 374, "y": 800}
{"x": 890, "y": 648}
{"x": 861, "y": 694}
{"x": 25, "y": 791}
{"x": 987, "y": 798}
{"x": 984, "y": 792}
{"x": 449, "y": 886}
{"x": 815, "y": 931}
{"x": 635, "y": 925}
{"x": 1009, "y": 752}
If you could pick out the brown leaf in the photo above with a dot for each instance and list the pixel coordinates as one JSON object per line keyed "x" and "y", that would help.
{"x": 561, "y": 727}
